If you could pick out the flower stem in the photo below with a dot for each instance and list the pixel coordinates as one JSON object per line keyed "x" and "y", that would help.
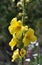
{"x": 22, "y": 61}
{"x": 35, "y": 61}
{"x": 23, "y": 11}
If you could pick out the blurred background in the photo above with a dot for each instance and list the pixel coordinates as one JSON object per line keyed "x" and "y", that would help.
{"x": 8, "y": 10}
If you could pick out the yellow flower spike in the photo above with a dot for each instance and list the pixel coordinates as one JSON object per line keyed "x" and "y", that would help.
{"x": 13, "y": 21}
{"x": 22, "y": 52}
{"x": 13, "y": 42}
{"x": 15, "y": 55}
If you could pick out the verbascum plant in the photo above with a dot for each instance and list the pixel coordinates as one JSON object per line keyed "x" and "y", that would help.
{"x": 22, "y": 36}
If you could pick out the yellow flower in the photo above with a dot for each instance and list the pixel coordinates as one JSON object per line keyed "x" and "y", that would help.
{"x": 29, "y": 36}
{"x": 33, "y": 38}
{"x": 18, "y": 34}
{"x": 18, "y": 26}
{"x": 22, "y": 52}
{"x": 24, "y": 28}
{"x": 15, "y": 27}
{"x": 30, "y": 31}
{"x": 11, "y": 29}
{"x": 13, "y": 42}
{"x": 19, "y": 29}
{"x": 15, "y": 55}
{"x": 26, "y": 41}
{"x": 13, "y": 21}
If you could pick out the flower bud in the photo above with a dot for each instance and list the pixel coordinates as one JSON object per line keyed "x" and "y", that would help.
{"x": 19, "y": 4}
{"x": 27, "y": 1}
{"x": 20, "y": 14}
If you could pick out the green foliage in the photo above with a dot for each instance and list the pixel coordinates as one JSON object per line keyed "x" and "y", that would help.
{"x": 7, "y": 12}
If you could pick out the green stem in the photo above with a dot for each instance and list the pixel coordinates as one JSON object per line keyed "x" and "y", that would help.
{"x": 23, "y": 11}
{"x": 22, "y": 61}
{"x": 35, "y": 61}
{"x": 39, "y": 56}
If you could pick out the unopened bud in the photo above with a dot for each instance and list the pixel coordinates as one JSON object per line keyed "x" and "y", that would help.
{"x": 19, "y": 3}
{"x": 20, "y": 14}
{"x": 27, "y": 1}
